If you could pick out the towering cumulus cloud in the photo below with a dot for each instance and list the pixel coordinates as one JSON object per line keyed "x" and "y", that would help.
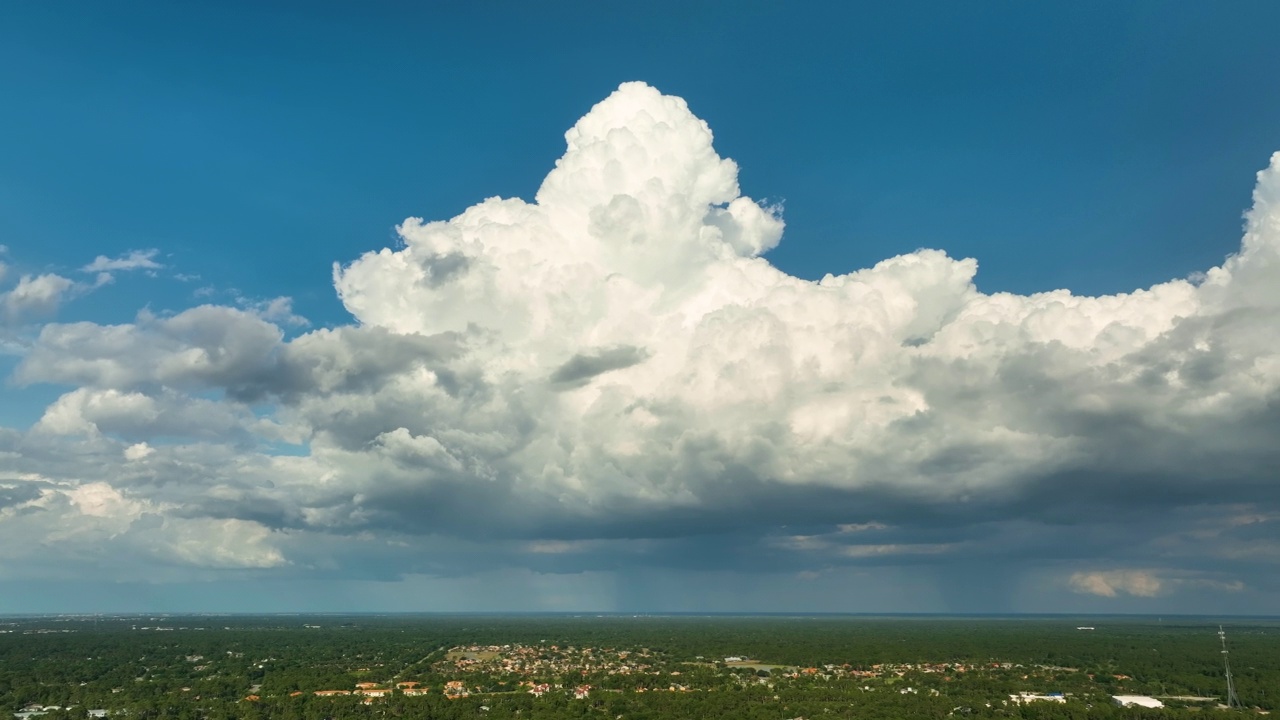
{"x": 613, "y": 374}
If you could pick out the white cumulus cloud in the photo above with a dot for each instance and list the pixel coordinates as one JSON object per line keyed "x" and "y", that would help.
{"x": 617, "y": 361}
{"x": 1145, "y": 583}
{"x": 1110, "y": 583}
{"x": 138, "y": 451}
{"x": 34, "y": 297}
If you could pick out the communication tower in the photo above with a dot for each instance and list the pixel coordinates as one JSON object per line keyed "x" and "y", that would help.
{"x": 1233, "y": 700}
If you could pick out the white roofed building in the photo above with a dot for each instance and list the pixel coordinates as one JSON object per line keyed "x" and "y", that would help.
{"x": 1137, "y": 700}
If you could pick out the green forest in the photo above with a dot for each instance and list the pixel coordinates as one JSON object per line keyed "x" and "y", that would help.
{"x": 628, "y": 668}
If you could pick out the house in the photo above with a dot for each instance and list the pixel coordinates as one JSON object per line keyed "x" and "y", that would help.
{"x": 332, "y": 693}
{"x": 36, "y": 710}
{"x": 1026, "y": 697}
{"x": 455, "y": 689}
{"x": 366, "y": 685}
{"x": 415, "y": 691}
{"x": 581, "y": 692}
{"x": 1138, "y": 700}
{"x": 374, "y": 692}
{"x": 408, "y": 684}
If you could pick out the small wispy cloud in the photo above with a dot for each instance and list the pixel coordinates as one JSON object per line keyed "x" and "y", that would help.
{"x": 847, "y": 528}
{"x": 868, "y": 551}
{"x": 105, "y": 266}
{"x": 554, "y": 547}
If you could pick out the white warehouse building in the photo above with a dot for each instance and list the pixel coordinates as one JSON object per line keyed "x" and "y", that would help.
{"x": 1139, "y": 700}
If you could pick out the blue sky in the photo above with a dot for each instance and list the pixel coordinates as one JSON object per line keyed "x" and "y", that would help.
{"x": 245, "y": 148}
{"x": 1094, "y": 146}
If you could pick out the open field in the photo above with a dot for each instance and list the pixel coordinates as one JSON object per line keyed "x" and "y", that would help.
{"x": 479, "y": 655}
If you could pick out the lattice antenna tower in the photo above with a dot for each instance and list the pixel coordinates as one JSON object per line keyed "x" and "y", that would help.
{"x": 1233, "y": 700}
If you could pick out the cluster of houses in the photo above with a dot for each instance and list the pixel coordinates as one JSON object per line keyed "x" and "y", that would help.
{"x": 532, "y": 662}
{"x": 581, "y": 692}
{"x": 880, "y": 670}
{"x": 36, "y": 710}
{"x": 452, "y": 689}
{"x": 1023, "y": 698}
{"x": 545, "y": 660}
{"x": 372, "y": 690}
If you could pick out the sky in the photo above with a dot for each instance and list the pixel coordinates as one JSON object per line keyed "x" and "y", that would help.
{"x": 738, "y": 307}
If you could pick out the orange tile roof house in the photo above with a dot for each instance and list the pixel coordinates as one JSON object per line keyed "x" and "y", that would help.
{"x": 455, "y": 689}
{"x": 415, "y": 691}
